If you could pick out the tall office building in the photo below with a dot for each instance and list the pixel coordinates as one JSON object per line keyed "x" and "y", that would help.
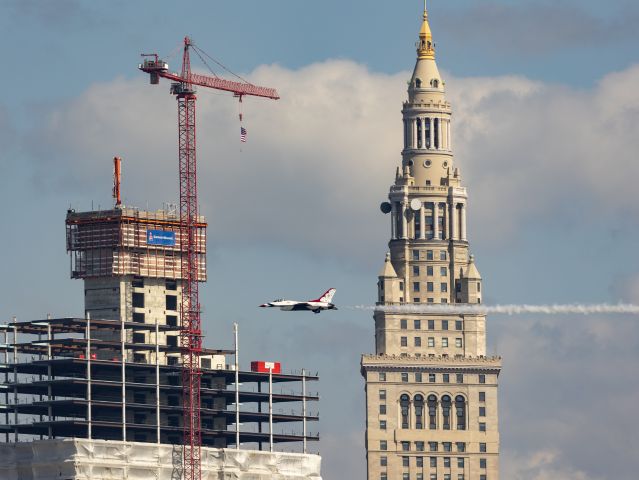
{"x": 431, "y": 391}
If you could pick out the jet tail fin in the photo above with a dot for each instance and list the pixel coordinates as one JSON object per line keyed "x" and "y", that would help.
{"x": 327, "y": 296}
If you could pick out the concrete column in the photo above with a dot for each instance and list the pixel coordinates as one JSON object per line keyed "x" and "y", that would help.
{"x": 432, "y": 132}
{"x": 414, "y": 130}
{"x": 462, "y": 225}
{"x": 452, "y": 220}
{"x": 393, "y": 220}
{"x": 423, "y": 131}
{"x": 436, "y": 220}
{"x": 422, "y": 220}
{"x": 404, "y": 205}
{"x": 440, "y": 146}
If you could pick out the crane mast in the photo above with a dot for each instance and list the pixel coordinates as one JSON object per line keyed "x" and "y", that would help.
{"x": 191, "y": 325}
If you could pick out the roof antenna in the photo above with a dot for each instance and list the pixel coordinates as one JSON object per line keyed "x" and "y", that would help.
{"x": 117, "y": 175}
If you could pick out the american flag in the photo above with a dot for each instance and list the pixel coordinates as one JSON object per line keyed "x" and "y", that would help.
{"x": 243, "y": 134}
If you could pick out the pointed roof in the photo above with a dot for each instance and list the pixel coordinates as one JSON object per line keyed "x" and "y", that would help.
{"x": 472, "y": 271}
{"x": 387, "y": 270}
{"x": 425, "y": 47}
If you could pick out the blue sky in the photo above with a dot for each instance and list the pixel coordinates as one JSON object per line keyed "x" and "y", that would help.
{"x": 546, "y": 133}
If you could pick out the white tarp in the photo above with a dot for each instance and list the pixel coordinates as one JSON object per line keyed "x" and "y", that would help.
{"x": 81, "y": 459}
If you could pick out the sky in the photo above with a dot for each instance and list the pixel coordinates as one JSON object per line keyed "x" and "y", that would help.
{"x": 546, "y": 130}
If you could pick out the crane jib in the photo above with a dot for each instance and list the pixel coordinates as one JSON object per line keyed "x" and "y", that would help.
{"x": 222, "y": 84}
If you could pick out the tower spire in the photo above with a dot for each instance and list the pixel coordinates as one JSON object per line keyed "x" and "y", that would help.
{"x": 425, "y": 46}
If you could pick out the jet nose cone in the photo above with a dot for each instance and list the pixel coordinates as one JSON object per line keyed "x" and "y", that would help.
{"x": 264, "y": 305}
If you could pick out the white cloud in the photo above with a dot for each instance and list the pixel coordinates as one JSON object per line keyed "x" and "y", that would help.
{"x": 320, "y": 160}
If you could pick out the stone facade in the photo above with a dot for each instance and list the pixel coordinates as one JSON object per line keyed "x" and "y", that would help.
{"x": 431, "y": 391}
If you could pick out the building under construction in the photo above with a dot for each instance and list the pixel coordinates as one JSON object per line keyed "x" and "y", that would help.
{"x": 101, "y": 396}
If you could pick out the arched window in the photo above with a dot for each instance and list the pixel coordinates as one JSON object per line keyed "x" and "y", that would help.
{"x": 419, "y": 412}
{"x": 460, "y": 406}
{"x": 432, "y": 412}
{"x": 446, "y": 406}
{"x": 418, "y": 83}
{"x": 434, "y": 83}
{"x": 427, "y": 128}
{"x": 404, "y": 404}
{"x": 419, "y": 133}
{"x": 436, "y": 128}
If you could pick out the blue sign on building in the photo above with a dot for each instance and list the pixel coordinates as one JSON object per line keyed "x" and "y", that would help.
{"x": 160, "y": 237}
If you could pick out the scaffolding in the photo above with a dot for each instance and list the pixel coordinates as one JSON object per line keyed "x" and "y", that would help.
{"x": 80, "y": 378}
{"x": 105, "y": 243}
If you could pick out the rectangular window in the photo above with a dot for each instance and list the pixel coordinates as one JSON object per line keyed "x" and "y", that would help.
{"x": 401, "y": 286}
{"x": 431, "y": 324}
{"x": 383, "y": 476}
{"x": 382, "y": 394}
{"x": 460, "y": 476}
{"x": 482, "y": 477}
{"x": 482, "y": 447}
{"x": 482, "y": 378}
{"x": 444, "y": 324}
{"x": 433, "y": 476}
{"x": 431, "y": 341}
{"x": 482, "y": 411}
{"x": 432, "y": 446}
{"x": 419, "y": 446}
{"x": 433, "y": 461}
{"x": 405, "y": 476}
{"x": 430, "y": 286}
{"x": 444, "y": 286}
{"x": 419, "y": 462}
{"x": 383, "y": 445}
{"x": 442, "y": 255}
{"x": 418, "y": 341}
{"x": 458, "y": 342}
{"x": 461, "y": 446}
{"x": 139, "y": 358}
{"x": 382, "y": 424}
{"x": 418, "y": 377}
{"x": 171, "y": 302}
{"x": 415, "y": 286}
{"x": 405, "y": 446}
{"x": 460, "y": 462}
{"x": 429, "y": 271}
{"x": 416, "y": 300}
{"x": 431, "y": 378}
{"x": 446, "y": 462}
{"x": 420, "y": 476}
{"x": 448, "y": 447}
{"x": 417, "y": 324}
{"x": 444, "y": 342}
{"x": 482, "y": 463}
{"x": 138, "y": 317}
{"x": 138, "y": 300}
{"x": 383, "y": 461}
{"x": 382, "y": 376}
{"x": 482, "y": 396}
{"x": 382, "y": 409}
{"x": 172, "y": 320}
{"x": 458, "y": 325}
{"x": 444, "y": 300}
{"x": 405, "y": 461}
{"x": 172, "y": 340}
{"x": 416, "y": 270}
{"x": 482, "y": 427}
{"x": 171, "y": 284}
{"x": 446, "y": 378}
{"x": 404, "y": 377}
{"x": 138, "y": 338}
{"x": 415, "y": 254}
{"x": 137, "y": 282}
{"x": 430, "y": 300}
{"x": 404, "y": 341}
{"x": 443, "y": 271}
{"x": 429, "y": 254}
{"x": 460, "y": 378}
{"x": 446, "y": 476}
{"x": 403, "y": 324}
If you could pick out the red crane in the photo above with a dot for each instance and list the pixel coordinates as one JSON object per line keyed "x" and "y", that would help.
{"x": 191, "y": 331}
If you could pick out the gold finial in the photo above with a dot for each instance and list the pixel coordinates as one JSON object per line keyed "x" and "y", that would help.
{"x": 425, "y": 46}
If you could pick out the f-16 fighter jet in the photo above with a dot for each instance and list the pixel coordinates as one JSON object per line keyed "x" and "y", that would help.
{"x": 315, "y": 306}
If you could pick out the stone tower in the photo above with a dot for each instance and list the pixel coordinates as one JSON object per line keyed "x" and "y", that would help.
{"x": 431, "y": 392}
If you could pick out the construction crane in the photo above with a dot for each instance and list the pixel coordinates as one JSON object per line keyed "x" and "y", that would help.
{"x": 183, "y": 87}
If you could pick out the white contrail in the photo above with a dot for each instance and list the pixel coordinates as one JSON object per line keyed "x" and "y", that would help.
{"x": 470, "y": 309}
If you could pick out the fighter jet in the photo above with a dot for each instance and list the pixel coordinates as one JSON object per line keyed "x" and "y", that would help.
{"x": 315, "y": 306}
